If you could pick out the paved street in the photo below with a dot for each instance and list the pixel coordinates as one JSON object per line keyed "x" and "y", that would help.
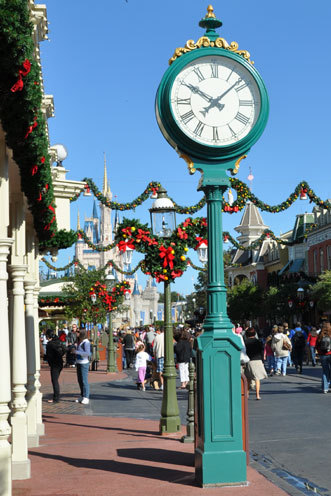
{"x": 289, "y": 427}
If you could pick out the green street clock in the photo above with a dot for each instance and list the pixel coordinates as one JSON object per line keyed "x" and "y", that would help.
{"x": 211, "y": 103}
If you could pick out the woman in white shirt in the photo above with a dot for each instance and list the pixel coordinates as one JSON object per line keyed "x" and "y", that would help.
{"x": 83, "y": 353}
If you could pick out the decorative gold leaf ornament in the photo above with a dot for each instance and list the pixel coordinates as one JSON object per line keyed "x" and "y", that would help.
{"x": 190, "y": 164}
{"x": 204, "y": 41}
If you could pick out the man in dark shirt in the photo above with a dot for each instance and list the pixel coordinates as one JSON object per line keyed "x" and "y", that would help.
{"x": 54, "y": 353}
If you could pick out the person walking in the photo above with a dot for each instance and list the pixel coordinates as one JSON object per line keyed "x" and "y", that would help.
{"x": 141, "y": 365}
{"x": 183, "y": 351}
{"x": 129, "y": 348}
{"x": 149, "y": 339}
{"x": 54, "y": 355}
{"x": 83, "y": 353}
{"x": 158, "y": 351}
{"x": 323, "y": 346}
{"x": 281, "y": 345}
{"x": 311, "y": 341}
{"x": 254, "y": 369}
{"x": 298, "y": 338}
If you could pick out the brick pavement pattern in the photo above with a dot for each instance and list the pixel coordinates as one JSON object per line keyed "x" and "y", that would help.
{"x": 84, "y": 455}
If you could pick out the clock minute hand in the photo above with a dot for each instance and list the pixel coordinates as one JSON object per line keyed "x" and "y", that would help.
{"x": 227, "y": 91}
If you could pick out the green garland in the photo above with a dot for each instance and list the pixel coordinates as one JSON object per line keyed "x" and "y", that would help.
{"x": 55, "y": 301}
{"x": 21, "y": 116}
{"x": 74, "y": 262}
{"x": 244, "y": 194}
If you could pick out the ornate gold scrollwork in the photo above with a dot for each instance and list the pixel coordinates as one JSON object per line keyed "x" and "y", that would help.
{"x": 190, "y": 164}
{"x": 205, "y": 42}
{"x": 237, "y": 165}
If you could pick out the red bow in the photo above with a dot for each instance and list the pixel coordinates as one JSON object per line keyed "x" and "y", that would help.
{"x": 181, "y": 233}
{"x": 124, "y": 245}
{"x": 204, "y": 221}
{"x": 167, "y": 255}
{"x": 176, "y": 273}
{"x": 200, "y": 241}
{"x": 18, "y": 86}
{"x": 31, "y": 128}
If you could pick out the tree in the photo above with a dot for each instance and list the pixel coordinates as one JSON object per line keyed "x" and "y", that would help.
{"x": 79, "y": 290}
{"x": 244, "y": 301}
{"x": 174, "y": 297}
{"x": 321, "y": 291}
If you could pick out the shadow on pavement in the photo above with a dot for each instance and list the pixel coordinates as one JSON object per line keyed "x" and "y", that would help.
{"x": 137, "y": 470}
{"x": 159, "y": 456}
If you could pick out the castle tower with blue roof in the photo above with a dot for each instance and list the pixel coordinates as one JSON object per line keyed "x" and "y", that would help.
{"x": 99, "y": 230}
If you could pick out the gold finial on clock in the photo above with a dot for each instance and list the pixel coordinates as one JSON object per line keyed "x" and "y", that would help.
{"x": 210, "y": 11}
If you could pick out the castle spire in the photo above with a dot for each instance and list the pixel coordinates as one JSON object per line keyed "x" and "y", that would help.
{"x": 105, "y": 179}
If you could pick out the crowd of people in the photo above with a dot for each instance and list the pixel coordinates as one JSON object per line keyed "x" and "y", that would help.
{"x": 270, "y": 352}
{"x": 143, "y": 349}
{"x": 264, "y": 353}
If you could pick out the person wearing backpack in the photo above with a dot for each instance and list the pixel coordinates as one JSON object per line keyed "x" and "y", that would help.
{"x": 55, "y": 350}
{"x": 281, "y": 346}
{"x": 299, "y": 339}
{"x": 323, "y": 346}
{"x": 83, "y": 353}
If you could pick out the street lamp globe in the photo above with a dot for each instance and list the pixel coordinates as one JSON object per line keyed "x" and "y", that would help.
{"x": 61, "y": 152}
{"x": 127, "y": 256}
{"x": 93, "y": 298}
{"x": 300, "y": 293}
{"x": 109, "y": 278}
{"x": 203, "y": 253}
{"x": 163, "y": 215}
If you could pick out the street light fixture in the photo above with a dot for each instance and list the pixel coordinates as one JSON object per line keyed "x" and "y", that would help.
{"x": 163, "y": 222}
{"x": 111, "y": 362}
{"x": 95, "y": 339}
{"x": 203, "y": 253}
{"x": 127, "y": 256}
{"x": 300, "y": 293}
{"x": 163, "y": 215}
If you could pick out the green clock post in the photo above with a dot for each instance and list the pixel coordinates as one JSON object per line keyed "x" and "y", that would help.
{"x": 212, "y": 106}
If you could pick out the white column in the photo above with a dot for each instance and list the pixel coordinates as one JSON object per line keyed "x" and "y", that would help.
{"x": 38, "y": 394}
{"x": 31, "y": 411}
{"x": 20, "y": 461}
{"x": 5, "y": 393}
{"x": 17, "y": 270}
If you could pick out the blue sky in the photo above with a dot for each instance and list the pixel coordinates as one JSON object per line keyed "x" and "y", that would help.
{"x": 104, "y": 62}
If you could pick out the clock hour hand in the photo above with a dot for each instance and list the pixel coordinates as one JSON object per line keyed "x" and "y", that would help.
{"x": 197, "y": 91}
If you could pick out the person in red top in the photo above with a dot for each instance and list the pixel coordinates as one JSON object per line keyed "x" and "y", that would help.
{"x": 311, "y": 341}
{"x": 323, "y": 346}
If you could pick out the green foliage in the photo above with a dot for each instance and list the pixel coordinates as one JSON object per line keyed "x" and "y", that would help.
{"x": 174, "y": 297}
{"x": 21, "y": 109}
{"x": 81, "y": 306}
{"x": 321, "y": 291}
{"x": 244, "y": 301}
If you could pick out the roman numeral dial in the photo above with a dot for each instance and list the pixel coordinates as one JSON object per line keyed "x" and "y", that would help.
{"x": 215, "y": 100}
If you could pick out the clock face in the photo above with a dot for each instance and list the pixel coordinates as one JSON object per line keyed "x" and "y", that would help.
{"x": 215, "y": 101}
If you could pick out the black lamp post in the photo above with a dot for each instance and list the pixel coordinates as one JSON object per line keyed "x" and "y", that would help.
{"x": 95, "y": 339}
{"x": 163, "y": 222}
{"x": 111, "y": 363}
